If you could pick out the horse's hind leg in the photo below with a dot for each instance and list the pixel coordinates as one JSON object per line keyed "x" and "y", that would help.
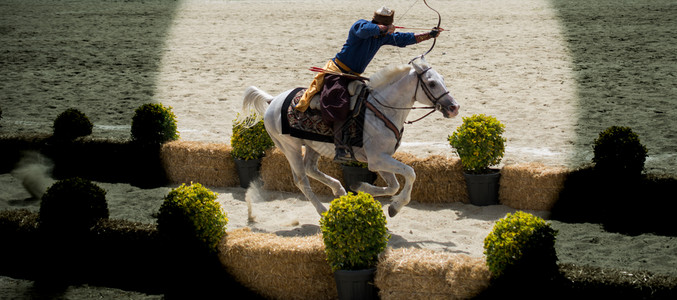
{"x": 310, "y": 164}
{"x": 295, "y": 158}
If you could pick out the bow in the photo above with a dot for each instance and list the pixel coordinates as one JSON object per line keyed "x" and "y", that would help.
{"x": 439, "y": 22}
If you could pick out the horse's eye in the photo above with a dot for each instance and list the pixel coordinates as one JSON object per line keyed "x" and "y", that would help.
{"x": 432, "y": 84}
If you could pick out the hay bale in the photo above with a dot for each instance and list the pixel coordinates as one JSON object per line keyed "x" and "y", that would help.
{"x": 426, "y": 274}
{"x": 276, "y": 174}
{"x": 531, "y": 186}
{"x": 209, "y": 164}
{"x": 278, "y": 267}
{"x": 439, "y": 179}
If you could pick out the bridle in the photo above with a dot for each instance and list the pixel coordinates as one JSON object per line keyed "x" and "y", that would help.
{"x": 429, "y": 94}
{"x": 420, "y": 83}
{"x": 388, "y": 123}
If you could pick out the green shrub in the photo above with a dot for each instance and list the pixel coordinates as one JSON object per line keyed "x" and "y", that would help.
{"x": 249, "y": 141}
{"x": 618, "y": 150}
{"x": 479, "y": 143}
{"x": 72, "y": 124}
{"x": 154, "y": 124}
{"x": 73, "y": 205}
{"x": 521, "y": 242}
{"x": 354, "y": 232}
{"x": 191, "y": 214}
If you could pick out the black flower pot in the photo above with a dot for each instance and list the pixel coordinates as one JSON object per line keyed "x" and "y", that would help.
{"x": 353, "y": 175}
{"x": 247, "y": 170}
{"x": 483, "y": 188}
{"x": 356, "y": 284}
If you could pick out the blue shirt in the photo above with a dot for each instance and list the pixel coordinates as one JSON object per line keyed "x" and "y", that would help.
{"x": 364, "y": 40}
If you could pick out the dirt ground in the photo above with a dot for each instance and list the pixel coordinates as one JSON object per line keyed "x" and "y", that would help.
{"x": 555, "y": 72}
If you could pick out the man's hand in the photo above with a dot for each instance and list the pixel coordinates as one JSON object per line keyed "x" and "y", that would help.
{"x": 387, "y": 29}
{"x": 435, "y": 32}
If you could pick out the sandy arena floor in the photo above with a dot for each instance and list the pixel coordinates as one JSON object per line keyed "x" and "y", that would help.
{"x": 556, "y": 73}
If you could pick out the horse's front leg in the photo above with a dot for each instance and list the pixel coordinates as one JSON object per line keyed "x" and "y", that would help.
{"x": 392, "y": 186}
{"x": 387, "y": 164}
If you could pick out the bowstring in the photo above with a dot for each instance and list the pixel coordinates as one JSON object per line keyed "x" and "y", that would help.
{"x": 399, "y": 19}
{"x": 399, "y": 53}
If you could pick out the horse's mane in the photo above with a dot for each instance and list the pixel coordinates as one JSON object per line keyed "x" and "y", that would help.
{"x": 388, "y": 75}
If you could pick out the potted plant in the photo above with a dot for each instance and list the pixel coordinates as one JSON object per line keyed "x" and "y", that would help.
{"x": 191, "y": 216}
{"x": 355, "y": 234}
{"x": 153, "y": 124}
{"x": 355, "y": 172}
{"x": 519, "y": 245}
{"x": 618, "y": 151}
{"x": 190, "y": 224}
{"x": 480, "y": 144}
{"x": 249, "y": 141}
{"x": 71, "y": 124}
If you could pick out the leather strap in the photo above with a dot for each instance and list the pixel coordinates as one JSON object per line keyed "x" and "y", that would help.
{"x": 387, "y": 122}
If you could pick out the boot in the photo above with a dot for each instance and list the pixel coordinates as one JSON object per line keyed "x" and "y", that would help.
{"x": 343, "y": 151}
{"x": 343, "y": 154}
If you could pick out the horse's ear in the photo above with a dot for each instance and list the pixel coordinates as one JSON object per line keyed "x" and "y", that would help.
{"x": 419, "y": 66}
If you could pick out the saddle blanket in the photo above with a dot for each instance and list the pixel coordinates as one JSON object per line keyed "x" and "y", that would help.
{"x": 310, "y": 125}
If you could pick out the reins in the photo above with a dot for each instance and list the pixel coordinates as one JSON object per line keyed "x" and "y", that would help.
{"x": 428, "y": 93}
{"x": 432, "y": 109}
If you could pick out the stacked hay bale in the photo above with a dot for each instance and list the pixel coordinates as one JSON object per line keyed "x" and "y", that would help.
{"x": 426, "y": 274}
{"x": 278, "y": 267}
{"x": 531, "y": 186}
{"x": 296, "y": 268}
{"x": 210, "y": 164}
{"x": 439, "y": 179}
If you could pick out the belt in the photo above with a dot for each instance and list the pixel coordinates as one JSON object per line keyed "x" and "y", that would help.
{"x": 343, "y": 67}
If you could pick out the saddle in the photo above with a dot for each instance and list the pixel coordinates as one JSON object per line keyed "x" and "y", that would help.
{"x": 354, "y": 89}
{"x": 310, "y": 125}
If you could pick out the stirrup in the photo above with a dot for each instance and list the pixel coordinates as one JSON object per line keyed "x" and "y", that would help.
{"x": 343, "y": 155}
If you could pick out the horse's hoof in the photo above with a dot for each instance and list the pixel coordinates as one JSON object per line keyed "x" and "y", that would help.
{"x": 341, "y": 192}
{"x": 392, "y": 211}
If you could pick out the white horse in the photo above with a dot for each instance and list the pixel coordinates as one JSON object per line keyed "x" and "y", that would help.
{"x": 393, "y": 92}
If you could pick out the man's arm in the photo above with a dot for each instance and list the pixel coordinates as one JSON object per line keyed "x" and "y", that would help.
{"x": 364, "y": 29}
{"x": 426, "y": 36}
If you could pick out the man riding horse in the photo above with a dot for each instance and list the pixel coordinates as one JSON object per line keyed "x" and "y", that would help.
{"x": 364, "y": 40}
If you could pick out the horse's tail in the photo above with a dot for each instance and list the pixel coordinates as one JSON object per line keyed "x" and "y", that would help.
{"x": 255, "y": 101}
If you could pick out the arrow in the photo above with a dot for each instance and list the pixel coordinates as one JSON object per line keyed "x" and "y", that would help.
{"x": 321, "y": 70}
{"x": 417, "y": 28}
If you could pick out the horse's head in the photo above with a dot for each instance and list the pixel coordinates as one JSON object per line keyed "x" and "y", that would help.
{"x": 435, "y": 92}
